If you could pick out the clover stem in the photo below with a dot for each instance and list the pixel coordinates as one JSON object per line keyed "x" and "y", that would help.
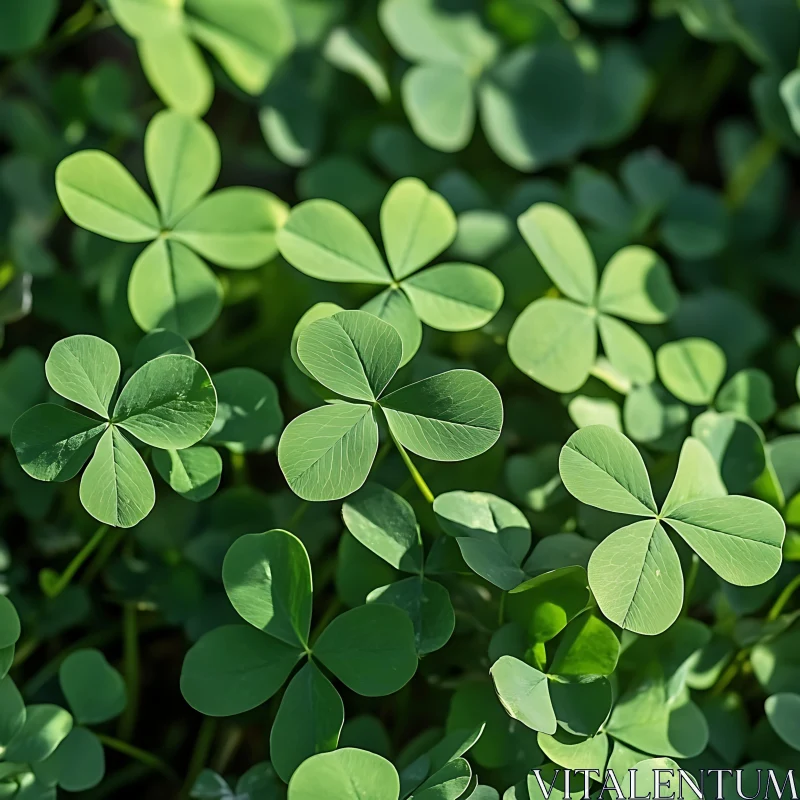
{"x": 298, "y": 514}
{"x": 730, "y": 673}
{"x": 148, "y": 759}
{"x": 691, "y": 578}
{"x": 783, "y": 599}
{"x": 130, "y": 648}
{"x": 102, "y": 555}
{"x": 202, "y": 747}
{"x": 749, "y": 171}
{"x": 231, "y": 739}
{"x": 418, "y": 479}
{"x": 239, "y": 466}
{"x": 69, "y": 573}
{"x": 330, "y": 612}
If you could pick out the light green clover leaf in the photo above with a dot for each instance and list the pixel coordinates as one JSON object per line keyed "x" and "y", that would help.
{"x": 635, "y": 573}
{"x": 249, "y": 38}
{"x": 170, "y": 285}
{"x": 169, "y": 402}
{"x": 554, "y": 340}
{"x": 235, "y": 668}
{"x": 346, "y": 774}
{"x": 325, "y": 240}
{"x": 327, "y": 453}
{"x": 385, "y": 523}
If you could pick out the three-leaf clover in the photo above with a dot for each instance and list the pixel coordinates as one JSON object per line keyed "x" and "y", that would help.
{"x": 249, "y": 38}
{"x": 385, "y": 523}
{"x": 635, "y": 573}
{"x": 43, "y": 745}
{"x": 170, "y": 285}
{"x": 169, "y": 402}
{"x": 325, "y": 240}
{"x": 327, "y": 453}
{"x": 554, "y": 340}
{"x": 235, "y": 668}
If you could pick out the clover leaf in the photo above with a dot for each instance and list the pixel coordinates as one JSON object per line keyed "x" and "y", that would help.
{"x": 385, "y": 523}
{"x": 635, "y": 573}
{"x": 493, "y": 535}
{"x": 327, "y": 453}
{"x": 249, "y": 38}
{"x": 554, "y": 340}
{"x": 170, "y": 285}
{"x": 325, "y": 240}
{"x": 168, "y": 402}
{"x": 235, "y": 668}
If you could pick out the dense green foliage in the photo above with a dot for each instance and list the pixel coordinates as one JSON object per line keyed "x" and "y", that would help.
{"x": 397, "y": 396}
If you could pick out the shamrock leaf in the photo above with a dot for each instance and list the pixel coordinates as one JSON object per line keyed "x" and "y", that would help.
{"x": 635, "y": 573}
{"x": 324, "y": 240}
{"x": 170, "y": 285}
{"x": 327, "y": 453}
{"x": 249, "y": 38}
{"x": 554, "y": 340}
{"x": 385, "y": 523}
{"x": 169, "y": 402}
{"x": 346, "y": 774}
{"x": 235, "y": 668}
{"x": 494, "y": 537}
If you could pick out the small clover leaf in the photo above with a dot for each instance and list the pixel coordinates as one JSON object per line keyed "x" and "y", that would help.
{"x": 249, "y": 38}
{"x": 493, "y": 535}
{"x": 635, "y": 573}
{"x": 169, "y": 402}
{"x": 235, "y": 668}
{"x": 325, "y": 240}
{"x": 346, "y": 774}
{"x": 554, "y": 340}
{"x": 385, "y": 523}
{"x": 327, "y": 453}
{"x": 170, "y": 285}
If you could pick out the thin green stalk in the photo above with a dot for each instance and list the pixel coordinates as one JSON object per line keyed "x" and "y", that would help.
{"x": 102, "y": 555}
{"x": 501, "y": 612}
{"x": 334, "y": 607}
{"x": 298, "y": 514}
{"x": 130, "y": 641}
{"x": 749, "y": 171}
{"x": 143, "y": 756}
{"x": 69, "y": 573}
{"x": 202, "y": 748}
{"x": 239, "y": 466}
{"x": 231, "y": 740}
{"x": 731, "y": 671}
{"x": 783, "y": 599}
{"x": 691, "y": 579}
{"x": 418, "y": 479}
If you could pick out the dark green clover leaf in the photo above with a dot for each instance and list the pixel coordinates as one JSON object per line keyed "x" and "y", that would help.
{"x": 325, "y": 240}
{"x": 168, "y": 402}
{"x": 77, "y": 764}
{"x": 635, "y": 573}
{"x": 648, "y": 718}
{"x": 554, "y": 340}
{"x": 235, "y": 668}
{"x": 782, "y": 712}
{"x": 170, "y": 285}
{"x": 94, "y": 690}
{"x": 493, "y": 535}
{"x": 385, "y": 523}
{"x": 249, "y": 38}
{"x": 327, "y": 453}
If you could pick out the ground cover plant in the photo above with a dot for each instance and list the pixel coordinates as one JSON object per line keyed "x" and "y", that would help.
{"x": 397, "y": 396}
